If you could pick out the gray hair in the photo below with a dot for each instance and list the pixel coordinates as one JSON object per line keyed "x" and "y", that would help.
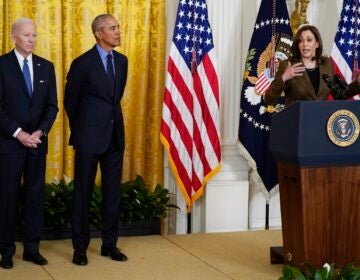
{"x": 98, "y": 22}
{"x": 16, "y": 24}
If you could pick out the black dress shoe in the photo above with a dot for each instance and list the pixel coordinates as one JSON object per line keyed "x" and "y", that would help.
{"x": 114, "y": 254}
{"x": 80, "y": 257}
{"x": 6, "y": 262}
{"x": 36, "y": 259}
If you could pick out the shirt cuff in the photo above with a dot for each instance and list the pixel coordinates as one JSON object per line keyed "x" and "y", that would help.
{"x": 17, "y": 132}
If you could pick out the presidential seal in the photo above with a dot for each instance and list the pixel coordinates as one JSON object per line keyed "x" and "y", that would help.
{"x": 343, "y": 128}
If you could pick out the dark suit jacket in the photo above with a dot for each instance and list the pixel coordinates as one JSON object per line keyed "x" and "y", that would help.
{"x": 17, "y": 109}
{"x": 94, "y": 112}
{"x": 298, "y": 88}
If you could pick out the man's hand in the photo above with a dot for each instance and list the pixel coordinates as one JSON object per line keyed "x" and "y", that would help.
{"x": 36, "y": 135}
{"x": 30, "y": 140}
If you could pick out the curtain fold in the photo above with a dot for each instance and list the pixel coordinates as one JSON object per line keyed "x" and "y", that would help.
{"x": 64, "y": 32}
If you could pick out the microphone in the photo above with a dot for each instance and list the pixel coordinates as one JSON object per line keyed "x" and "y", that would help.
{"x": 340, "y": 90}
{"x": 340, "y": 81}
{"x": 349, "y": 90}
{"x": 337, "y": 90}
{"x": 329, "y": 82}
{"x": 354, "y": 89}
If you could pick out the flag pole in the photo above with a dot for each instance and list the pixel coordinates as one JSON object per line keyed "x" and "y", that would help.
{"x": 267, "y": 214}
{"x": 188, "y": 223}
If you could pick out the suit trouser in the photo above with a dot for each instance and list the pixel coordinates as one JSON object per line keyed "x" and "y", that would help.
{"x": 13, "y": 167}
{"x": 85, "y": 173}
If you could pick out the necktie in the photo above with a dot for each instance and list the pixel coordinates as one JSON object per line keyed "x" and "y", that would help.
{"x": 110, "y": 72}
{"x": 27, "y": 77}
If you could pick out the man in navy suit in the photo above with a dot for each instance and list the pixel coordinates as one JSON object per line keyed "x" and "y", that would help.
{"x": 95, "y": 85}
{"x": 28, "y": 108}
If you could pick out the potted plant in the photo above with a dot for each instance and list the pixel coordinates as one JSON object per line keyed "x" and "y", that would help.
{"x": 327, "y": 272}
{"x": 140, "y": 209}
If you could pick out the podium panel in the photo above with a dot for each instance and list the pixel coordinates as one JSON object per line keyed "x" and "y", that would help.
{"x": 299, "y": 134}
{"x": 320, "y": 210}
{"x": 319, "y": 185}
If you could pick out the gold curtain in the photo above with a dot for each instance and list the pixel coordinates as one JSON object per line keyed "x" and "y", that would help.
{"x": 64, "y": 32}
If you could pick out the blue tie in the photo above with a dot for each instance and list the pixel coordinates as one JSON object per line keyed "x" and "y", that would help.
{"x": 110, "y": 72}
{"x": 27, "y": 77}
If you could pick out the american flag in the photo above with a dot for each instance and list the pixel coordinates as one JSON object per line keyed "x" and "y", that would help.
{"x": 262, "y": 84}
{"x": 190, "y": 125}
{"x": 345, "y": 51}
{"x": 270, "y": 42}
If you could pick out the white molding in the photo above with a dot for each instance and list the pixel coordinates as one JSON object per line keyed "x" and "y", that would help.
{"x": 274, "y": 211}
{"x": 232, "y": 185}
{"x": 226, "y": 206}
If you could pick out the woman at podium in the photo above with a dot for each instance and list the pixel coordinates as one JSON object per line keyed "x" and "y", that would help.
{"x": 300, "y": 75}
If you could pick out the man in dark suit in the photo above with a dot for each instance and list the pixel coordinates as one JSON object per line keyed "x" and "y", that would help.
{"x": 95, "y": 85}
{"x": 28, "y": 108}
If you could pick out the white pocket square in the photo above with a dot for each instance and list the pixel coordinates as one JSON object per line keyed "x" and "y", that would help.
{"x": 42, "y": 81}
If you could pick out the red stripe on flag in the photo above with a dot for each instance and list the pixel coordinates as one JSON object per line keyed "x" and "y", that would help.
{"x": 212, "y": 76}
{"x": 180, "y": 169}
{"x": 180, "y": 84}
{"x": 179, "y": 123}
{"x": 201, "y": 150}
{"x": 208, "y": 121}
{"x": 336, "y": 68}
{"x": 262, "y": 84}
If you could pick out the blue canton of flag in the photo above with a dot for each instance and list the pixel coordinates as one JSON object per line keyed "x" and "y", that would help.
{"x": 270, "y": 42}
{"x": 192, "y": 31}
{"x": 345, "y": 51}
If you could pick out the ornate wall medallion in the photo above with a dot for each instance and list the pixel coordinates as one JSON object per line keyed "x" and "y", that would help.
{"x": 343, "y": 128}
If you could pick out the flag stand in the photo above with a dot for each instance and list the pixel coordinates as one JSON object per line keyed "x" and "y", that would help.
{"x": 276, "y": 252}
{"x": 267, "y": 215}
{"x": 188, "y": 223}
{"x": 277, "y": 255}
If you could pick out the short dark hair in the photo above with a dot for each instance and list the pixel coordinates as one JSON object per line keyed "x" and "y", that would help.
{"x": 295, "y": 52}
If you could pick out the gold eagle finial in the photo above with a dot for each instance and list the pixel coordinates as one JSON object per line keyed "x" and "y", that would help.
{"x": 298, "y": 16}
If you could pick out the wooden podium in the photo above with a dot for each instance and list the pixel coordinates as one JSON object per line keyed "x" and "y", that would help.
{"x": 319, "y": 183}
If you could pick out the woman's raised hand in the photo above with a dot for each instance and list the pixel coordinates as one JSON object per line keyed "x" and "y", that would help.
{"x": 292, "y": 71}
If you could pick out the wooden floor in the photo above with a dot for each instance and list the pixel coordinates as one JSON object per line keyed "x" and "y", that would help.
{"x": 236, "y": 255}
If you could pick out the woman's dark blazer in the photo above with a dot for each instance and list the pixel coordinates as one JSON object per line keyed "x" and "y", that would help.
{"x": 298, "y": 88}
